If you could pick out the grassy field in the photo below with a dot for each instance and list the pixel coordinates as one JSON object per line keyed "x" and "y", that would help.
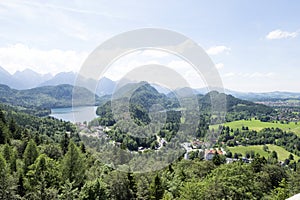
{"x": 281, "y": 152}
{"x": 258, "y": 125}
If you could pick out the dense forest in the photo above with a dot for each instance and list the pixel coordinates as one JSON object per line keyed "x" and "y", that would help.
{"x": 145, "y": 96}
{"x": 55, "y": 165}
{"x": 47, "y": 158}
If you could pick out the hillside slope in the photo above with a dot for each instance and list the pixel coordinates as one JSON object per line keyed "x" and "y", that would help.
{"x": 45, "y": 97}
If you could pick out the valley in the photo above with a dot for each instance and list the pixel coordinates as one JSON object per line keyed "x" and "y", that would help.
{"x": 149, "y": 100}
{"x": 251, "y": 139}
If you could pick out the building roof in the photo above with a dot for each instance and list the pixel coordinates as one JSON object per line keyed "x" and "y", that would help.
{"x": 212, "y": 151}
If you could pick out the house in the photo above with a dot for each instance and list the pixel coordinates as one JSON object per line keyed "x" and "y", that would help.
{"x": 197, "y": 144}
{"x": 209, "y": 154}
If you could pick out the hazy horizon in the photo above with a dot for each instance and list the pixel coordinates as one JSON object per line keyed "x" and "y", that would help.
{"x": 204, "y": 87}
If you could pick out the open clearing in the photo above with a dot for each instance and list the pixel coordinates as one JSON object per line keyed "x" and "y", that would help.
{"x": 281, "y": 152}
{"x": 258, "y": 125}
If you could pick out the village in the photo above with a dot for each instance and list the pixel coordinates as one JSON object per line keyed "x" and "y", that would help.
{"x": 193, "y": 149}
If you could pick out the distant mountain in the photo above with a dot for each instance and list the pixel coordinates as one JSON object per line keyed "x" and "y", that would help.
{"x": 60, "y": 78}
{"x": 5, "y": 77}
{"x": 22, "y": 79}
{"x": 161, "y": 89}
{"x": 46, "y": 96}
{"x": 103, "y": 87}
{"x": 3, "y": 72}
{"x": 30, "y": 79}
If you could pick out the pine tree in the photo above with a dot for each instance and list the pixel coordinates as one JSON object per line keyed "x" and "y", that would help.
{"x": 94, "y": 190}
{"x": 7, "y": 153}
{"x": 21, "y": 189}
{"x": 30, "y": 154}
{"x": 258, "y": 163}
{"x": 2, "y": 117}
{"x": 73, "y": 166}
{"x": 65, "y": 143}
{"x": 132, "y": 185}
{"x": 82, "y": 147}
{"x": 4, "y": 133}
{"x": 13, "y": 160}
{"x": 7, "y": 191}
{"x": 119, "y": 186}
{"x": 156, "y": 189}
{"x": 3, "y": 176}
{"x": 10, "y": 155}
{"x": 12, "y": 126}
{"x": 69, "y": 192}
{"x": 142, "y": 188}
{"x": 42, "y": 175}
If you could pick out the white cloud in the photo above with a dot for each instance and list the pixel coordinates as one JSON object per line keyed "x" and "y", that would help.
{"x": 19, "y": 57}
{"x": 48, "y": 17}
{"x": 217, "y": 50}
{"x": 230, "y": 74}
{"x": 179, "y": 65}
{"x": 194, "y": 79}
{"x": 133, "y": 61}
{"x": 219, "y": 65}
{"x": 250, "y": 75}
{"x": 279, "y": 34}
{"x": 259, "y": 75}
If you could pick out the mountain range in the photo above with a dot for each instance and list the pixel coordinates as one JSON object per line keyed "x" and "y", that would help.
{"x": 22, "y": 79}
{"x": 28, "y": 79}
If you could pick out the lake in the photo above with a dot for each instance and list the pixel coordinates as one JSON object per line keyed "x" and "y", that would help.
{"x": 75, "y": 114}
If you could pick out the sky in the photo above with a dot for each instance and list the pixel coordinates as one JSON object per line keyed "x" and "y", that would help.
{"x": 255, "y": 44}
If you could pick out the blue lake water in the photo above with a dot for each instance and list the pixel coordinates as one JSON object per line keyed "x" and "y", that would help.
{"x": 75, "y": 114}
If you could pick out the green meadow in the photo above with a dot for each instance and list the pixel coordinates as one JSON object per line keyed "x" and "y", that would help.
{"x": 281, "y": 152}
{"x": 258, "y": 125}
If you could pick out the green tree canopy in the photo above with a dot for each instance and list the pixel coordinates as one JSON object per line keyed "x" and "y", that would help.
{"x": 30, "y": 154}
{"x": 73, "y": 165}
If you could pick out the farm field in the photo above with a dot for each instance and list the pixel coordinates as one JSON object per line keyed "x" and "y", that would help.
{"x": 281, "y": 152}
{"x": 258, "y": 125}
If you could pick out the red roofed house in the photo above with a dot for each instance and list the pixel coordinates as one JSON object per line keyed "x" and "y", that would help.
{"x": 209, "y": 154}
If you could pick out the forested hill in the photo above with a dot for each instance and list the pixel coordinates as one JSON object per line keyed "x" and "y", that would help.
{"x": 44, "y": 97}
{"x": 144, "y": 96}
{"x": 236, "y": 108}
{"x": 141, "y": 95}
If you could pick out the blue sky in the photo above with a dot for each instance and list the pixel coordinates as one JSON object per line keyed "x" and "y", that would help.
{"x": 254, "y": 44}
